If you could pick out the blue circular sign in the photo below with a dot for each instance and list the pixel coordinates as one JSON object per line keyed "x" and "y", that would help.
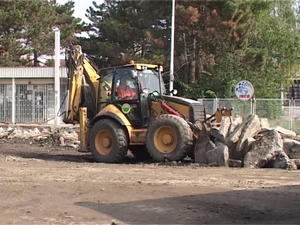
{"x": 244, "y": 90}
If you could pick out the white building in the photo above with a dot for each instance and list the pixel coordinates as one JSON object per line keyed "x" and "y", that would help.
{"x": 33, "y": 101}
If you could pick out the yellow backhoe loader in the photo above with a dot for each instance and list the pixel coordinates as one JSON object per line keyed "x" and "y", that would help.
{"x": 126, "y": 107}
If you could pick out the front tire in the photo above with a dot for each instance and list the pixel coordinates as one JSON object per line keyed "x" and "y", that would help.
{"x": 108, "y": 141}
{"x": 169, "y": 137}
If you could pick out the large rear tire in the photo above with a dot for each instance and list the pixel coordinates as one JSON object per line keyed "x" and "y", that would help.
{"x": 169, "y": 137}
{"x": 108, "y": 141}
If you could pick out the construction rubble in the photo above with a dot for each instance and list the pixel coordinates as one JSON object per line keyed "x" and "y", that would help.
{"x": 236, "y": 143}
{"x": 41, "y": 135}
{"x": 249, "y": 143}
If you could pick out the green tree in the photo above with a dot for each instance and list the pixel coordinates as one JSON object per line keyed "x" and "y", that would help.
{"x": 125, "y": 30}
{"x": 217, "y": 43}
{"x": 26, "y": 28}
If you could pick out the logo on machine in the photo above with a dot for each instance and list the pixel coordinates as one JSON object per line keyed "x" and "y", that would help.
{"x": 126, "y": 108}
{"x": 244, "y": 90}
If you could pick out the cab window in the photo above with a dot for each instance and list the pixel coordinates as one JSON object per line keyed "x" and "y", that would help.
{"x": 126, "y": 85}
{"x": 105, "y": 87}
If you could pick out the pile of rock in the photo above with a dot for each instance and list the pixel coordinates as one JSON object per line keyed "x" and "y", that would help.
{"x": 249, "y": 143}
{"x": 44, "y": 136}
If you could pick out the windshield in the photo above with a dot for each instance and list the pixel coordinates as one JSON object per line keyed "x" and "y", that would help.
{"x": 149, "y": 80}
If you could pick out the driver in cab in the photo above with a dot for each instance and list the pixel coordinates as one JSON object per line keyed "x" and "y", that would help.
{"x": 126, "y": 91}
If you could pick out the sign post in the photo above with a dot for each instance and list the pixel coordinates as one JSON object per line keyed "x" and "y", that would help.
{"x": 244, "y": 91}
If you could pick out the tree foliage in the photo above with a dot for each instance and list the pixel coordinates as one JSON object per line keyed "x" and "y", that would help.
{"x": 217, "y": 43}
{"x": 124, "y": 30}
{"x": 26, "y": 28}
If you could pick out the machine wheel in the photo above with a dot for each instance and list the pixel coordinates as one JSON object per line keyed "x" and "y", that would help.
{"x": 108, "y": 141}
{"x": 169, "y": 137}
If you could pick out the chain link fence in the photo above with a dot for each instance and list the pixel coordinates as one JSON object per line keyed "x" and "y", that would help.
{"x": 35, "y": 104}
{"x": 279, "y": 112}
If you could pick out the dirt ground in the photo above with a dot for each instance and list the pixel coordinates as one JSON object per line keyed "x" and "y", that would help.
{"x": 41, "y": 185}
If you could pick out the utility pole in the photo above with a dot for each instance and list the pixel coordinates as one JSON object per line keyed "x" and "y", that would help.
{"x": 172, "y": 49}
{"x": 56, "y": 75}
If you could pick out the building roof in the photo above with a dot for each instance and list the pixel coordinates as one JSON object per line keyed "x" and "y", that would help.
{"x": 30, "y": 72}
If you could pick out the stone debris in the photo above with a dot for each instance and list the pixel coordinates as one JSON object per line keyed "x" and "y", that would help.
{"x": 235, "y": 122}
{"x": 296, "y": 162}
{"x": 222, "y": 154}
{"x": 202, "y": 146}
{"x": 225, "y": 126}
{"x": 210, "y": 153}
{"x": 251, "y": 127}
{"x": 264, "y": 123}
{"x": 50, "y": 136}
{"x": 285, "y": 132}
{"x": 292, "y": 148}
{"x": 236, "y": 143}
{"x": 267, "y": 144}
{"x": 249, "y": 143}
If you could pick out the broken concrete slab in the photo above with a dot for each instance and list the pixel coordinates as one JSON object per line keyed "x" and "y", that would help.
{"x": 216, "y": 135}
{"x": 225, "y": 127}
{"x": 264, "y": 123}
{"x": 247, "y": 145}
{"x": 222, "y": 154}
{"x": 211, "y": 157}
{"x": 297, "y": 137}
{"x": 202, "y": 145}
{"x": 285, "y": 132}
{"x": 288, "y": 143}
{"x": 267, "y": 143}
{"x": 296, "y": 162}
{"x": 292, "y": 148}
{"x": 236, "y": 121}
{"x": 281, "y": 160}
{"x": 294, "y": 152}
{"x": 251, "y": 127}
{"x": 210, "y": 153}
{"x": 234, "y": 136}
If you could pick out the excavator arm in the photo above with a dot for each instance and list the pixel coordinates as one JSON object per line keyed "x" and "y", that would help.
{"x": 83, "y": 84}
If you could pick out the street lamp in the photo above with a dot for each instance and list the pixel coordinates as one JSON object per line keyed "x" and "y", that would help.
{"x": 56, "y": 75}
{"x": 172, "y": 49}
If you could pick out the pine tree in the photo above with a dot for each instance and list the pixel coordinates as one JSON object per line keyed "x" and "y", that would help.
{"x": 26, "y": 28}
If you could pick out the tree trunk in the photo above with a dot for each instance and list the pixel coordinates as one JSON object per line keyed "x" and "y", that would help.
{"x": 193, "y": 63}
{"x": 35, "y": 59}
{"x": 186, "y": 68}
{"x": 199, "y": 63}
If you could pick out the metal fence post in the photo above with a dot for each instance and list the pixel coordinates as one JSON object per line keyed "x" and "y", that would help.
{"x": 215, "y": 105}
{"x": 253, "y": 106}
{"x": 291, "y": 113}
{"x": 13, "y": 101}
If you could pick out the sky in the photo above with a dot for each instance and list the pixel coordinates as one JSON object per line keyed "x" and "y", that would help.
{"x": 80, "y": 7}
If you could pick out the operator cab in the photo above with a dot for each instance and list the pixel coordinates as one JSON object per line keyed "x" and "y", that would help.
{"x": 128, "y": 88}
